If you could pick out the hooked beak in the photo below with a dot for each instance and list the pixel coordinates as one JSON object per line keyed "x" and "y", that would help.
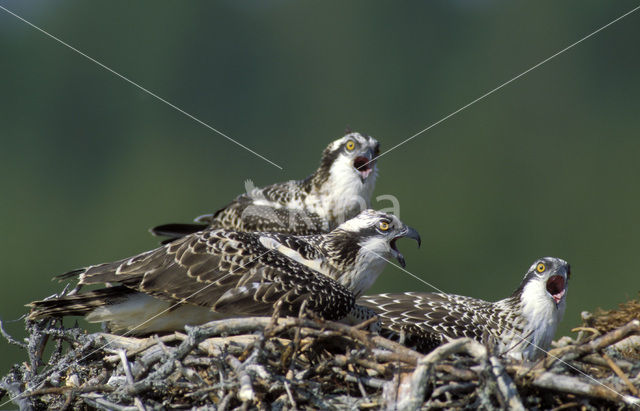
{"x": 409, "y": 233}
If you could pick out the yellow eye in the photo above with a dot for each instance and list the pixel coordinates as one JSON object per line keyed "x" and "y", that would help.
{"x": 351, "y": 145}
{"x": 384, "y": 226}
{"x": 540, "y": 268}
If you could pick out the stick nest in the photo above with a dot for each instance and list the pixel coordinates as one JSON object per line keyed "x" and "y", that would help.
{"x": 307, "y": 363}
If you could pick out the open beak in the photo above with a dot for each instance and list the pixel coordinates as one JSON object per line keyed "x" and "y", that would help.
{"x": 556, "y": 287}
{"x": 409, "y": 233}
{"x": 364, "y": 165}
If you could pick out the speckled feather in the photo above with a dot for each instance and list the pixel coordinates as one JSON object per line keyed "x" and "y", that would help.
{"x": 426, "y": 320}
{"x": 314, "y": 205}
{"x": 205, "y": 266}
{"x": 238, "y": 274}
{"x": 437, "y": 317}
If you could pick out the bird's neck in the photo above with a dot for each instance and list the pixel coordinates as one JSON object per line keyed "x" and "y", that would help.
{"x": 532, "y": 324}
{"x": 341, "y": 246}
{"x": 339, "y": 194}
{"x": 355, "y": 267}
{"x": 315, "y": 181}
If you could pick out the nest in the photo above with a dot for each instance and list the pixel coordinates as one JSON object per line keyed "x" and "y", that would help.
{"x": 307, "y": 363}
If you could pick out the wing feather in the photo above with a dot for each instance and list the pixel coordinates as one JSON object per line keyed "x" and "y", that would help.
{"x": 432, "y": 315}
{"x": 262, "y": 210}
{"x": 225, "y": 270}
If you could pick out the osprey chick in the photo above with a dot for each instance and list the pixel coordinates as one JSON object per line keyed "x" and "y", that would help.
{"x": 337, "y": 191}
{"x": 520, "y": 326}
{"x": 215, "y": 273}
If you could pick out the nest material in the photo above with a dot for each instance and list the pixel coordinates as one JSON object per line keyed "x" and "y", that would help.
{"x": 607, "y": 320}
{"x": 306, "y": 363}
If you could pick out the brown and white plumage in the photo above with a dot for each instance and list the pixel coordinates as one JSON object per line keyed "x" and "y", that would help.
{"x": 337, "y": 191}
{"x": 218, "y": 273}
{"x": 519, "y": 325}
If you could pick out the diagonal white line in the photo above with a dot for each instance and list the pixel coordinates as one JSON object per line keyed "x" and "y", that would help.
{"x": 27, "y": 391}
{"x": 516, "y": 334}
{"x": 141, "y": 88}
{"x": 505, "y": 83}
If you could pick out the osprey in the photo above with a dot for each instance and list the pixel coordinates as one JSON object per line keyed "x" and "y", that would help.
{"x": 520, "y": 326}
{"x": 337, "y": 191}
{"x": 216, "y": 273}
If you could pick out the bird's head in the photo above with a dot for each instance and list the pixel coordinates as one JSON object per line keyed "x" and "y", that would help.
{"x": 363, "y": 245}
{"x": 351, "y": 157}
{"x": 542, "y": 297}
{"x": 376, "y": 233}
{"x": 546, "y": 281}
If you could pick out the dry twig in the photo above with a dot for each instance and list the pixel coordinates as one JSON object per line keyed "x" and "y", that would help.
{"x": 307, "y": 363}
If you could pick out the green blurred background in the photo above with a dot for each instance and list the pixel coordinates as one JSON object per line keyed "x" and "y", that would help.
{"x": 548, "y": 165}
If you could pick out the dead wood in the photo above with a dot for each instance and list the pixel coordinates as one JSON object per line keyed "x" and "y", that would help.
{"x": 307, "y": 363}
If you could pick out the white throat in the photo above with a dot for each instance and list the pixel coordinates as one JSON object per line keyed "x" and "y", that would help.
{"x": 344, "y": 194}
{"x": 542, "y": 316}
{"x": 369, "y": 264}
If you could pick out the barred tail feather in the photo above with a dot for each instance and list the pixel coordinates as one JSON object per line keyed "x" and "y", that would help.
{"x": 79, "y": 304}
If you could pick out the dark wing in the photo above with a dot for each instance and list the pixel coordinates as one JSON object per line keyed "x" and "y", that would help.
{"x": 228, "y": 217}
{"x": 426, "y": 318}
{"x": 229, "y": 272}
{"x": 266, "y": 212}
{"x": 176, "y": 230}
